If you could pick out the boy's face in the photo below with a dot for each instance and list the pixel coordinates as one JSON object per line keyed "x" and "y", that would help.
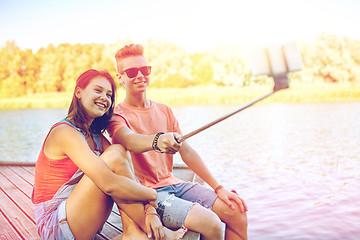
{"x": 136, "y": 84}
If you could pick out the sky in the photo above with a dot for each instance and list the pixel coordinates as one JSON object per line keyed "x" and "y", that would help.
{"x": 196, "y": 25}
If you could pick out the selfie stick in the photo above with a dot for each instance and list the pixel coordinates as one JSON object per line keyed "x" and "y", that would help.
{"x": 276, "y": 62}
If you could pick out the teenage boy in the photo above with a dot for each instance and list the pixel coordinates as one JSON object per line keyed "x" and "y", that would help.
{"x": 180, "y": 204}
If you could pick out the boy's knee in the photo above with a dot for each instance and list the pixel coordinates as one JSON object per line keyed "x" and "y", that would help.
{"x": 235, "y": 215}
{"x": 227, "y": 213}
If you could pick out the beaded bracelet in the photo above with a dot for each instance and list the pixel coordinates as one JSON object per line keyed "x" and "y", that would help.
{"x": 218, "y": 188}
{"x": 155, "y": 142}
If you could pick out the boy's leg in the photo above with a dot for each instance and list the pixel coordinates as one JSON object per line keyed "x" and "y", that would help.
{"x": 235, "y": 220}
{"x": 133, "y": 214}
{"x": 178, "y": 208}
{"x": 205, "y": 222}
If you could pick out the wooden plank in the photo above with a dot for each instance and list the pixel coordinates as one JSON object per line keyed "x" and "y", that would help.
{"x": 24, "y": 174}
{"x": 17, "y": 214}
{"x": 113, "y": 225}
{"x": 17, "y": 197}
{"x": 6, "y": 230}
{"x": 115, "y": 218}
{"x": 19, "y": 164}
{"x": 109, "y": 231}
{"x": 17, "y": 218}
{"x": 99, "y": 237}
{"x": 17, "y": 179}
{"x": 30, "y": 169}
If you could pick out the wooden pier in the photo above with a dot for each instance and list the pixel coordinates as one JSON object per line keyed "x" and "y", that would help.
{"x": 17, "y": 220}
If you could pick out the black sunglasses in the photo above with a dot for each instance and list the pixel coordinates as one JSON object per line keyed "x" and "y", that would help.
{"x": 133, "y": 72}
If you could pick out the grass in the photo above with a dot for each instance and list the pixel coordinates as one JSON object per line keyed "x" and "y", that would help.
{"x": 45, "y": 100}
{"x": 210, "y": 95}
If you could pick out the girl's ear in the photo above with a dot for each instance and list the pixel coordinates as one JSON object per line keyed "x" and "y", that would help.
{"x": 77, "y": 92}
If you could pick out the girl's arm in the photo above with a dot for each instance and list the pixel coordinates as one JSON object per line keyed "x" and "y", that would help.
{"x": 66, "y": 141}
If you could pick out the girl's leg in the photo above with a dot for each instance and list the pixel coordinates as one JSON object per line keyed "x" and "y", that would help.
{"x": 130, "y": 227}
{"x": 87, "y": 207}
{"x": 134, "y": 227}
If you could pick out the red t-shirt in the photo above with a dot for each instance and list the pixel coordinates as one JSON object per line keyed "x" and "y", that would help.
{"x": 51, "y": 174}
{"x": 153, "y": 169}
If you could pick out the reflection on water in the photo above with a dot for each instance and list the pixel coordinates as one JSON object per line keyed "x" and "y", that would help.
{"x": 22, "y": 132}
{"x": 296, "y": 165}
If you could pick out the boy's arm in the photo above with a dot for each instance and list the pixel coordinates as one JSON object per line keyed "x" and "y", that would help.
{"x": 195, "y": 163}
{"x": 139, "y": 143}
{"x": 193, "y": 160}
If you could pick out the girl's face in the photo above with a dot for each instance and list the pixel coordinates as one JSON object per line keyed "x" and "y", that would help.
{"x": 96, "y": 97}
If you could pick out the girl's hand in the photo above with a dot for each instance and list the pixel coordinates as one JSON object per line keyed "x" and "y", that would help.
{"x": 154, "y": 227}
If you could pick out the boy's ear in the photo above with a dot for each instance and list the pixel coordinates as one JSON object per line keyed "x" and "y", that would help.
{"x": 118, "y": 76}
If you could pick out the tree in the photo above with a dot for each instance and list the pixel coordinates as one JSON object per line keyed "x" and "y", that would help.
{"x": 330, "y": 59}
{"x": 172, "y": 64}
{"x": 12, "y": 70}
{"x": 202, "y": 69}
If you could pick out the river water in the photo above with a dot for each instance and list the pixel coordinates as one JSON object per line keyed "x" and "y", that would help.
{"x": 296, "y": 165}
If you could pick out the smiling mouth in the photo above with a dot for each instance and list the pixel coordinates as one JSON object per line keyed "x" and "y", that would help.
{"x": 101, "y": 105}
{"x": 140, "y": 83}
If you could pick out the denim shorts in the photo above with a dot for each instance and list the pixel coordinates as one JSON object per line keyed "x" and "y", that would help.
{"x": 51, "y": 220}
{"x": 50, "y": 216}
{"x": 175, "y": 202}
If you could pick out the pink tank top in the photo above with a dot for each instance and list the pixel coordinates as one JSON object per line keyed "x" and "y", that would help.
{"x": 51, "y": 174}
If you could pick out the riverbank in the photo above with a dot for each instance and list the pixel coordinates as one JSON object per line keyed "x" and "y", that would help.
{"x": 203, "y": 95}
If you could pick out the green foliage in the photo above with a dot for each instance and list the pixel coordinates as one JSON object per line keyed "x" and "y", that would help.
{"x": 212, "y": 95}
{"x": 202, "y": 69}
{"x": 330, "y": 59}
{"x": 171, "y": 64}
{"x": 230, "y": 66}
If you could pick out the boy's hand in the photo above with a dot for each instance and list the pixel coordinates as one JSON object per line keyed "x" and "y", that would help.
{"x": 168, "y": 144}
{"x": 226, "y": 196}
